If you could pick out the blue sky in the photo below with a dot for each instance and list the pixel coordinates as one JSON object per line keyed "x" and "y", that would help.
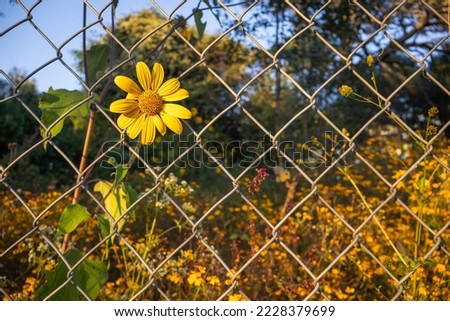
{"x": 25, "y": 49}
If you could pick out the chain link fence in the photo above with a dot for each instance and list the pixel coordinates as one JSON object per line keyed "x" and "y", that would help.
{"x": 352, "y": 220}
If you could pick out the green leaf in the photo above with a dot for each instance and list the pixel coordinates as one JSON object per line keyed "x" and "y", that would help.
{"x": 212, "y": 11}
{"x": 90, "y": 275}
{"x": 55, "y": 103}
{"x": 103, "y": 225}
{"x": 121, "y": 171}
{"x": 116, "y": 200}
{"x": 96, "y": 58}
{"x": 112, "y": 161}
{"x": 49, "y": 118}
{"x": 119, "y": 175}
{"x": 72, "y": 216}
{"x": 199, "y": 24}
{"x": 78, "y": 123}
{"x": 132, "y": 196}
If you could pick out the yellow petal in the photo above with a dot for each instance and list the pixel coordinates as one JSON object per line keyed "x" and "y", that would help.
{"x": 169, "y": 87}
{"x": 143, "y": 75}
{"x": 177, "y": 111}
{"x": 134, "y": 113}
{"x": 128, "y": 85}
{"x": 148, "y": 131}
{"x": 159, "y": 124}
{"x": 131, "y": 96}
{"x": 123, "y": 106}
{"x": 172, "y": 122}
{"x": 180, "y": 94}
{"x": 126, "y": 120}
{"x": 136, "y": 127}
{"x": 157, "y": 76}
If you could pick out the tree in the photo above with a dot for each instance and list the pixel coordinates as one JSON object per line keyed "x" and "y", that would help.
{"x": 339, "y": 27}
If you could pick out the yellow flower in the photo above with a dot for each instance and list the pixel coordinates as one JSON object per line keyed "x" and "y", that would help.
{"x": 150, "y": 105}
{"x": 175, "y": 278}
{"x": 440, "y": 268}
{"x": 283, "y": 175}
{"x": 201, "y": 269}
{"x": 345, "y": 90}
{"x": 236, "y": 297}
{"x": 370, "y": 60}
{"x": 431, "y": 130}
{"x": 188, "y": 255}
{"x": 213, "y": 280}
{"x": 196, "y": 279}
{"x": 432, "y": 112}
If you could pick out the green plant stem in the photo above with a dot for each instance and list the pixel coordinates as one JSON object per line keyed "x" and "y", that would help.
{"x": 138, "y": 278}
{"x": 358, "y": 191}
{"x": 418, "y": 232}
{"x": 358, "y": 97}
{"x": 113, "y": 186}
{"x": 196, "y": 293}
{"x": 133, "y": 156}
{"x": 374, "y": 81}
{"x": 375, "y": 219}
{"x": 422, "y": 200}
{"x": 76, "y": 194}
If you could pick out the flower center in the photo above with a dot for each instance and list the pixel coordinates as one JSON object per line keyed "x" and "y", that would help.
{"x": 150, "y": 102}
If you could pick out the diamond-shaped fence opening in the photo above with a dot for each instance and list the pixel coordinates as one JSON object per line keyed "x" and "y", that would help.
{"x": 310, "y": 161}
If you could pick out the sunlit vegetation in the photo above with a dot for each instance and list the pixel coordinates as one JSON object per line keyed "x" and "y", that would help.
{"x": 278, "y": 187}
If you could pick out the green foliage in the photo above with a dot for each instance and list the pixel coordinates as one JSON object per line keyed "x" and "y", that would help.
{"x": 57, "y": 102}
{"x": 96, "y": 58}
{"x": 72, "y": 216}
{"x": 200, "y": 25}
{"x": 17, "y": 123}
{"x": 120, "y": 173}
{"x": 116, "y": 198}
{"x": 90, "y": 275}
{"x": 212, "y": 11}
{"x": 104, "y": 226}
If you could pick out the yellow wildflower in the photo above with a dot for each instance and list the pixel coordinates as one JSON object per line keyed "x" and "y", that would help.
{"x": 150, "y": 105}
{"x": 195, "y": 278}
{"x": 213, "y": 280}
{"x": 431, "y": 130}
{"x": 433, "y": 111}
{"x": 236, "y": 297}
{"x": 349, "y": 290}
{"x": 345, "y": 90}
{"x": 282, "y": 174}
{"x": 188, "y": 255}
{"x": 440, "y": 268}
{"x": 370, "y": 60}
{"x": 201, "y": 269}
{"x": 175, "y": 278}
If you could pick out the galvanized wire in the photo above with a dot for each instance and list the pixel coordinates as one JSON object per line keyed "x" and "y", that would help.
{"x": 380, "y": 27}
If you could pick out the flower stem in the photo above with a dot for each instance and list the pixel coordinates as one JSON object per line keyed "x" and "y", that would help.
{"x": 360, "y": 194}
{"x": 375, "y": 219}
{"x": 374, "y": 81}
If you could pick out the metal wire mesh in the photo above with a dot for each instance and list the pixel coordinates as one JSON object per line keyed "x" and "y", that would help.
{"x": 156, "y": 267}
